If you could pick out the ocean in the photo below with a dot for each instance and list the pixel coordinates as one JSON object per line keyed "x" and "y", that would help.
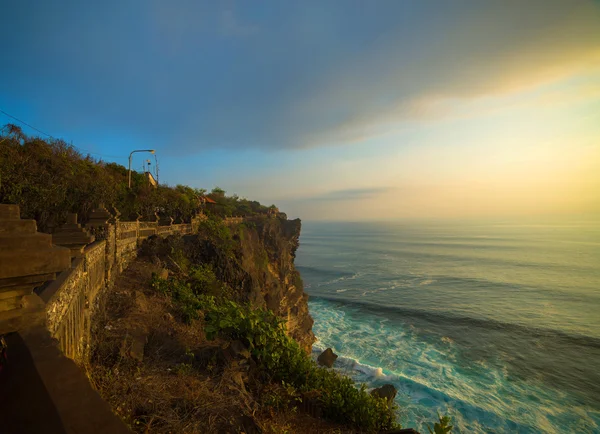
{"x": 497, "y": 325}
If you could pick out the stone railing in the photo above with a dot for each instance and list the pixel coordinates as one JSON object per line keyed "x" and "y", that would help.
{"x": 164, "y": 230}
{"x": 183, "y": 228}
{"x": 43, "y": 324}
{"x": 71, "y": 298}
{"x": 126, "y": 244}
{"x": 234, "y": 220}
{"x": 147, "y": 229}
{"x": 27, "y": 260}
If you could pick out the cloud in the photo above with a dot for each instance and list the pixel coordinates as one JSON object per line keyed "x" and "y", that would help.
{"x": 349, "y": 194}
{"x": 316, "y": 74}
{"x": 231, "y": 25}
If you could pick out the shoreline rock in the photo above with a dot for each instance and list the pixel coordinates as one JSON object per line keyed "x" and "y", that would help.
{"x": 387, "y": 391}
{"x": 327, "y": 358}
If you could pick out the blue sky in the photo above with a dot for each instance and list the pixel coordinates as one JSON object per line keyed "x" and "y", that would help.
{"x": 333, "y": 110}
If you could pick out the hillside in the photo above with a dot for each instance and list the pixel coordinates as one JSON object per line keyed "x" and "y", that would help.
{"x": 49, "y": 178}
{"x": 205, "y": 332}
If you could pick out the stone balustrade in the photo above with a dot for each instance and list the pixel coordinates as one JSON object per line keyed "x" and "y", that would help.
{"x": 234, "y": 220}
{"x": 73, "y": 236}
{"x": 69, "y": 300}
{"x": 48, "y": 295}
{"x": 147, "y": 229}
{"x": 28, "y": 260}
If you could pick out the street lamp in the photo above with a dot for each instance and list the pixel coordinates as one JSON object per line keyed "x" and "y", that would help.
{"x": 133, "y": 152}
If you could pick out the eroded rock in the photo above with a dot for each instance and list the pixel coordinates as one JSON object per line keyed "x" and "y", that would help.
{"x": 327, "y": 358}
{"x": 133, "y": 345}
{"x": 387, "y": 391}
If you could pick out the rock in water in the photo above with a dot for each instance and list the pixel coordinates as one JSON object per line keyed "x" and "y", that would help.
{"x": 327, "y": 358}
{"x": 387, "y": 391}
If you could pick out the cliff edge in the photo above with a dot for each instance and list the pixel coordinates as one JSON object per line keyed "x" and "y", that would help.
{"x": 254, "y": 260}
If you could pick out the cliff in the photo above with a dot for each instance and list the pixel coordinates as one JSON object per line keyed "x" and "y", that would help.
{"x": 268, "y": 250}
{"x": 254, "y": 260}
{"x": 190, "y": 339}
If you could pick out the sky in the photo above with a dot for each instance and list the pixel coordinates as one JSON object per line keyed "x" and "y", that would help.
{"x": 333, "y": 110}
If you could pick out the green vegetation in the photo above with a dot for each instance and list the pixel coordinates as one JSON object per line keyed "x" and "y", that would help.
{"x": 276, "y": 353}
{"x": 184, "y": 293}
{"x": 441, "y": 427}
{"x": 281, "y": 356}
{"x": 49, "y": 178}
{"x": 214, "y": 230}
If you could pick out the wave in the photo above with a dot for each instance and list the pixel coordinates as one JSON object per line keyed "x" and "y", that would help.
{"x": 323, "y": 272}
{"x": 430, "y": 398}
{"x": 346, "y": 364}
{"x": 430, "y": 256}
{"x": 461, "y": 282}
{"x": 456, "y": 320}
{"x": 329, "y": 277}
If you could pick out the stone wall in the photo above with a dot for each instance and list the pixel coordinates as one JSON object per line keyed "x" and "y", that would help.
{"x": 27, "y": 260}
{"x": 126, "y": 243}
{"x": 147, "y": 229}
{"x": 95, "y": 266}
{"x": 183, "y": 228}
{"x": 110, "y": 254}
{"x": 234, "y": 220}
{"x": 46, "y": 294}
{"x": 65, "y": 300}
{"x": 71, "y": 298}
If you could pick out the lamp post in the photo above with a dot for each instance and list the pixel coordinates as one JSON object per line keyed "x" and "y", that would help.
{"x": 133, "y": 152}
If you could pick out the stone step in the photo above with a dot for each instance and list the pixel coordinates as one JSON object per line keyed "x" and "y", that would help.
{"x": 12, "y": 292}
{"x": 17, "y": 227}
{"x": 10, "y": 303}
{"x": 32, "y": 313}
{"x": 37, "y": 240}
{"x": 25, "y": 281}
{"x": 9, "y": 212}
{"x": 32, "y": 262}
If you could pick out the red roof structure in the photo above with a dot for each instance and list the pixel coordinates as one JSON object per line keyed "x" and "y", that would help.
{"x": 206, "y": 199}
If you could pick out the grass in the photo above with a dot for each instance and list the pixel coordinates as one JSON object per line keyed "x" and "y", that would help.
{"x": 176, "y": 389}
{"x": 186, "y": 382}
{"x": 279, "y": 355}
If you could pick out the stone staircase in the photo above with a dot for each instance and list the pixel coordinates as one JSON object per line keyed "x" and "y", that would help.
{"x": 43, "y": 391}
{"x": 27, "y": 260}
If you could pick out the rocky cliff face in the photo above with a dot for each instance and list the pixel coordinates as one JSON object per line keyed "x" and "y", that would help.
{"x": 256, "y": 263}
{"x": 268, "y": 252}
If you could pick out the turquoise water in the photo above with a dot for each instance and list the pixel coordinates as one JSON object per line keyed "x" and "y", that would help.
{"x": 496, "y": 324}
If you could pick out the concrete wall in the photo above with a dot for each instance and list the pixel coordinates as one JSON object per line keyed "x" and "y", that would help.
{"x": 71, "y": 298}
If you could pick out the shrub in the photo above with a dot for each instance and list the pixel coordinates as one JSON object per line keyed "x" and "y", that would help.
{"x": 182, "y": 295}
{"x": 441, "y": 427}
{"x": 49, "y": 178}
{"x": 218, "y": 233}
{"x": 279, "y": 355}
